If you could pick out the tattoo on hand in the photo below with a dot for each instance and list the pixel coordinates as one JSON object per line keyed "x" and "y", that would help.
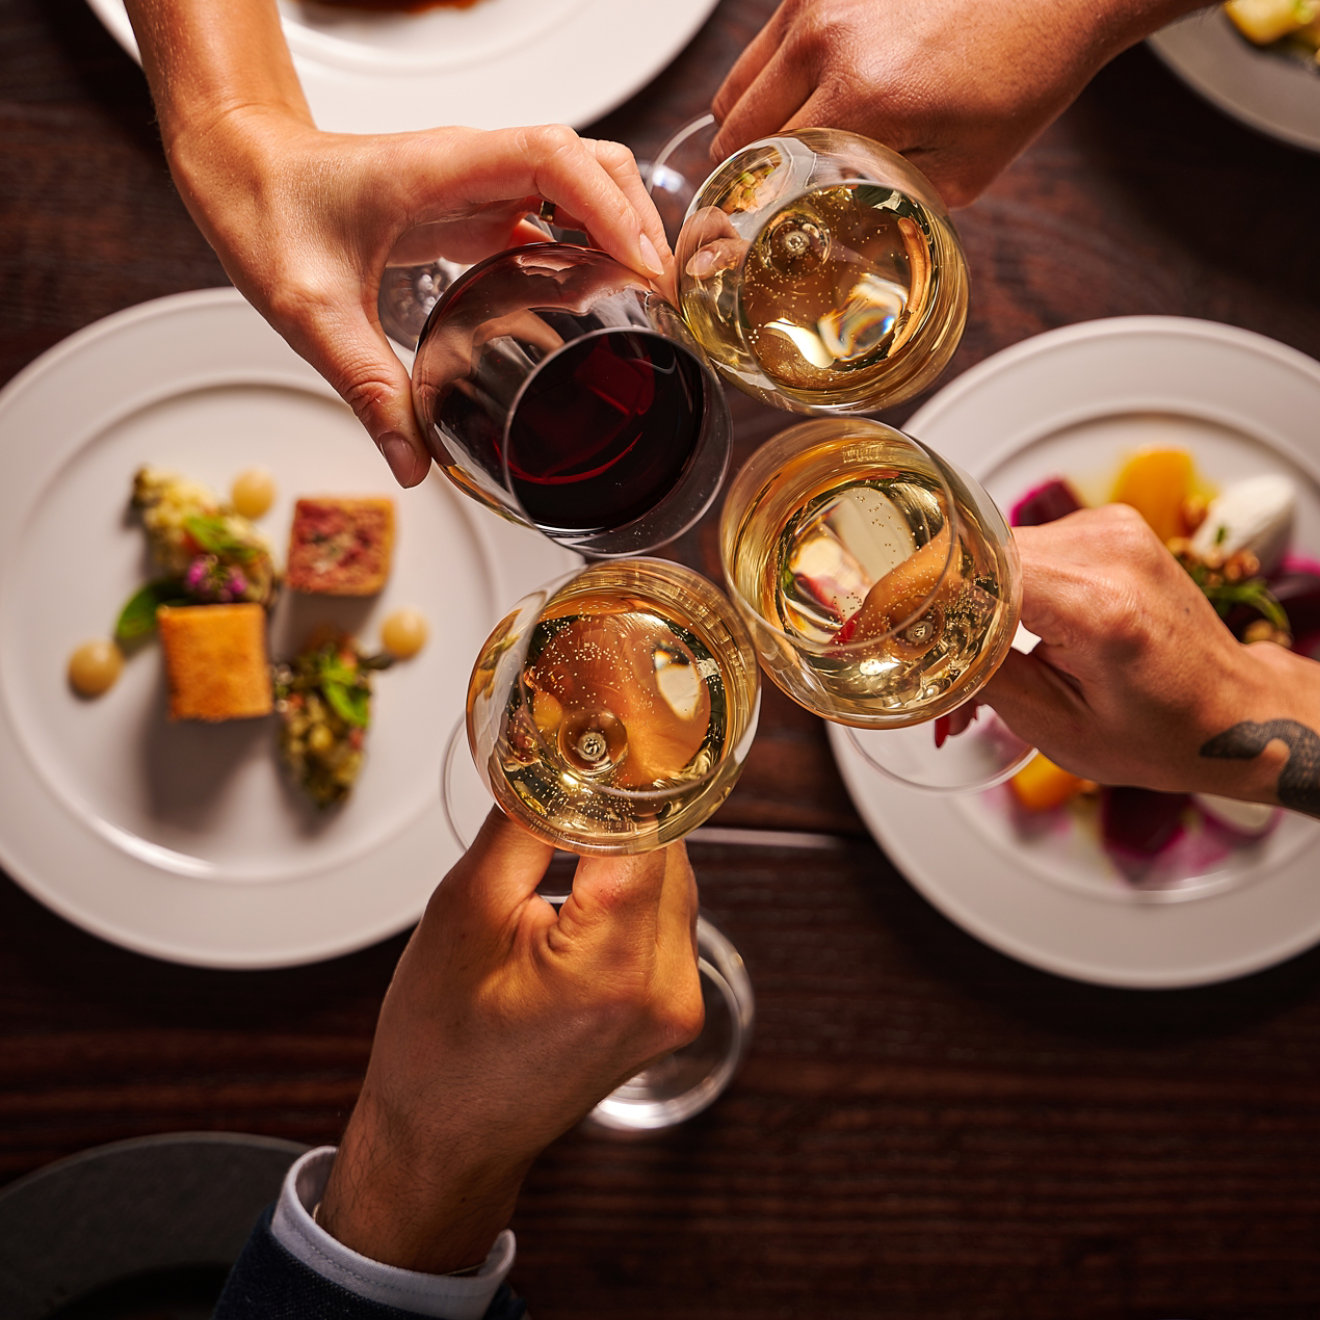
{"x": 1299, "y": 780}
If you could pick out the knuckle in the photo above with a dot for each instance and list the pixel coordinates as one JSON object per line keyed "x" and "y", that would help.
{"x": 683, "y": 1019}
{"x": 614, "y": 153}
{"x": 299, "y": 296}
{"x": 553, "y": 141}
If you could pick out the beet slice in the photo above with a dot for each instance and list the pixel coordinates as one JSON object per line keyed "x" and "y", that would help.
{"x": 1047, "y": 502}
{"x": 1139, "y": 822}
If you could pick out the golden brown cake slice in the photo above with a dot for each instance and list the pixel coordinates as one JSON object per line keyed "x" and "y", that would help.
{"x": 215, "y": 661}
{"x": 341, "y": 545}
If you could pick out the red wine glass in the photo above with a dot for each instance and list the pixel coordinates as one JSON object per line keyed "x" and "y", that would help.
{"x": 561, "y": 390}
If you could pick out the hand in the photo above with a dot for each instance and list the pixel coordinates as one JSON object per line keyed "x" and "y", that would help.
{"x": 960, "y": 87}
{"x": 506, "y": 1022}
{"x": 305, "y": 223}
{"x": 1135, "y": 673}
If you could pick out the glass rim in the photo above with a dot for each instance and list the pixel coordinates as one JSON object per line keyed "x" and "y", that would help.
{"x": 924, "y": 193}
{"x": 781, "y": 449}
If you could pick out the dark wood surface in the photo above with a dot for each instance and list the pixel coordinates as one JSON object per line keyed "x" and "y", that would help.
{"x": 923, "y": 1127}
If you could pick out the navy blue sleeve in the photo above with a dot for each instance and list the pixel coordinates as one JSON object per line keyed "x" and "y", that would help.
{"x": 267, "y": 1283}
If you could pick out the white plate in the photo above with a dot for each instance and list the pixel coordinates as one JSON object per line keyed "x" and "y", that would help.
{"x": 497, "y": 64}
{"x": 1071, "y": 403}
{"x": 1267, "y": 89}
{"x": 184, "y": 840}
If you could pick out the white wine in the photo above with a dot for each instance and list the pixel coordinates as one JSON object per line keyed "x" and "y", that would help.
{"x": 845, "y": 295}
{"x": 615, "y": 719}
{"x": 882, "y": 596}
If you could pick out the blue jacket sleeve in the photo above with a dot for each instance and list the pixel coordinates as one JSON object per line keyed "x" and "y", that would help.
{"x": 267, "y": 1283}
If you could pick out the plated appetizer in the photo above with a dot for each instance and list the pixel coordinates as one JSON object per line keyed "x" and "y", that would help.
{"x": 1235, "y": 544}
{"x": 210, "y": 604}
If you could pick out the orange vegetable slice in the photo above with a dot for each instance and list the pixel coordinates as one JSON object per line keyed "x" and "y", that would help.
{"x": 1041, "y": 785}
{"x": 1157, "y": 482}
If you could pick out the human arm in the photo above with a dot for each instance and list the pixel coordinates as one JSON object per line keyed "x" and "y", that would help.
{"x": 960, "y": 87}
{"x": 306, "y": 221}
{"x": 506, "y": 1021}
{"x": 1137, "y": 681}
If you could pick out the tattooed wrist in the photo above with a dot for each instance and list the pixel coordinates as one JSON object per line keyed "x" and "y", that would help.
{"x": 1298, "y": 787}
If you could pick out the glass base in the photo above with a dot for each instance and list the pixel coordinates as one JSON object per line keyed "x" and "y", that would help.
{"x": 690, "y": 1079}
{"x": 985, "y": 753}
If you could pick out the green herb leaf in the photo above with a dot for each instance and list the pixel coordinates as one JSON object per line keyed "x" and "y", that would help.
{"x": 138, "y": 617}
{"x": 333, "y": 670}
{"x": 214, "y": 536}
{"x": 351, "y": 704}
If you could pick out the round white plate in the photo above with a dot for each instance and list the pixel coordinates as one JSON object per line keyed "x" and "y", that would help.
{"x": 184, "y": 840}
{"x": 497, "y": 64}
{"x": 1072, "y": 403}
{"x": 1267, "y": 89}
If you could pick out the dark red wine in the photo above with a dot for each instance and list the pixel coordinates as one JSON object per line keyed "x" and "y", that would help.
{"x": 601, "y": 431}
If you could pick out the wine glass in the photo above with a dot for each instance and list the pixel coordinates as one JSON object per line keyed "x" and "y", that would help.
{"x": 558, "y": 388}
{"x": 679, "y": 169}
{"x": 819, "y": 270}
{"x": 610, "y": 712}
{"x": 881, "y": 588}
{"x": 407, "y": 294}
{"x": 690, "y": 1079}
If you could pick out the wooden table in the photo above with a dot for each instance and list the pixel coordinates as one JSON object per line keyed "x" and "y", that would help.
{"x": 923, "y": 1127}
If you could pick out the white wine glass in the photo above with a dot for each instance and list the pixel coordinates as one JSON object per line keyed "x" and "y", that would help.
{"x": 609, "y": 712}
{"x": 881, "y": 588}
{"x": 817, "y": 269}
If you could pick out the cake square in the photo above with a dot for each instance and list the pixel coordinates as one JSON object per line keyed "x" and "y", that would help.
{"x": 341, "y": 545}
{"x": 215, "y": 661}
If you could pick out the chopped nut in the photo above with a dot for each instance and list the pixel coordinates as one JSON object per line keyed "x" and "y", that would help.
{"x": 1194, "y": 509}
{"x": 1262, "y": 630}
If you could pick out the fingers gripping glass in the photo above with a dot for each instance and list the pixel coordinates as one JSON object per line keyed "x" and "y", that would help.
{"x": 881, "y": 589}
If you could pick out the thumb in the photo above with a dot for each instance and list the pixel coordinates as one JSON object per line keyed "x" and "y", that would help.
{"x": 498, "y": 873}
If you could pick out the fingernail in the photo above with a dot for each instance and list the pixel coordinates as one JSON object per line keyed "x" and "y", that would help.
{"x": 651, "y": 262}
{"x": 408, "y": 466}
{"x": 703, "y": 265}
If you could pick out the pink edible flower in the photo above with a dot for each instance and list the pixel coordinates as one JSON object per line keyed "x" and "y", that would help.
{"x": 196, "y": 573}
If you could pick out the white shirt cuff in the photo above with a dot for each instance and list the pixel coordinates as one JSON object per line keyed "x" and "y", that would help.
{"x": 446, "y": 1296}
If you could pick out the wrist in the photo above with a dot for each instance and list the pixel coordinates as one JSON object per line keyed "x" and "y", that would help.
{"x": 205, "y": 61}
{"x": 418, "y": 1199}
{"x": 1270, "y": 716}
